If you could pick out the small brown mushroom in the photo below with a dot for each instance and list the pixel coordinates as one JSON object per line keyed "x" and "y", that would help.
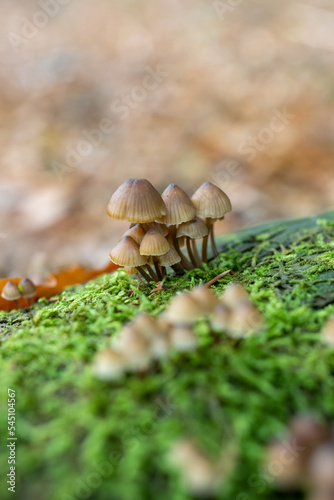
{"x": 212, "y": 204}
{"x": 154, "y": 245}
{"x": 136, "y": 200}
{"x": 193, "y": 230}
{"x": 27, "y": 289}
{"x": 11, "y": 292}
{"x": 179, "y": 209}
{"x": 126, "y": 253}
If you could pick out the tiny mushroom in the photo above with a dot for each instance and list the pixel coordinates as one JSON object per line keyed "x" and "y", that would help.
{"x": 154, "y": 244}
{"x": 136, "y": 200}
{"x": 180, "y": 209}
{"x": 11, "y": 292}
{"x": 109, "y": 365}
{"x": 126, "y": 253}
{"x": 212, "y": 204}
{"x": 192, "y": 230}
{"x": 27, "y": 289}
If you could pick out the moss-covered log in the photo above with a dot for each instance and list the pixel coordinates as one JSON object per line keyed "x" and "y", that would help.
{"x": 78, "y": 437}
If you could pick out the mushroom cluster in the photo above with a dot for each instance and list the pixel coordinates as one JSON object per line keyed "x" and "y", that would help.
{"x": 25, "y": 289}
{"x": 304, "y": 458}
{"x": 148, "y": 339}
{"x": 162, "y": 224}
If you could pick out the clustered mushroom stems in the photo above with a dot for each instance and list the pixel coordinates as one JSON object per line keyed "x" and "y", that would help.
{"x": 160, "y": 222}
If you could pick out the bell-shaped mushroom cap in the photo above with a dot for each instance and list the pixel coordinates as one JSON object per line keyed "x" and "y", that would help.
{"x": 309, "y": 431}
{"x": 211, "y": 202}
{"x": 108, "y": 365}
{"x": 182, "y": 309}
{"x": 126, "y": 253}
{"x": 205, "y": 297}
{"x": 154, "y": 243}
{"x": 179, "y": 206}
{"x": 235, "y": 294}
{"x": 170, "y": 258}
{"x": 131, "y": 271}
{"x": 10, "y": 291}
{"x": 195, "y": 228}
{"x": 27, "y": 288}
{"x": 136, "y": 232}
{"x": 136, "y": 200}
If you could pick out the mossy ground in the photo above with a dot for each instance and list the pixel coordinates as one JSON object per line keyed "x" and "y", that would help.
{"x": 81, "y": 438}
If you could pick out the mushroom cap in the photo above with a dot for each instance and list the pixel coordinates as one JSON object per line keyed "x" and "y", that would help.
{"x": 27, "y": 288}
{"x": 154, "y": 243}
{"x": 136, "y": 200}
{"x": 179, "y": 206}
{"x": 235, "y": 294}
{"x": 10, "y": 291}
{"x": 309, "y": 431}
{"x": 170, "y": 258}
{"x": 182, "y": 309}
{"x": 109, "y": 364}
{"x": 126, "y": 253}
{"x": 136, "y": 232}
{"x": 211, "y": 202}
{"x": 205, "y": 297}
{"x": 195, "y": 228}
{"x": 131, "y": 271}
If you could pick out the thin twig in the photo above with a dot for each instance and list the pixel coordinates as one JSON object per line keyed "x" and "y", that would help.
{"x": 216, "y": 278}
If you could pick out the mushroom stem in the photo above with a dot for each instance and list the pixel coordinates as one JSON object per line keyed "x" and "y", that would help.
{"x": 18, "y": 305}
{"x": 178, "y": 269}
{"x": 184, "y": 261}
{"x": 205, "y": 248}
{"x": 144, "y": 274}
{"x": 195, "y": 253}
{"x": 157, "y": 268}
{"x": 213, "y": 243}
{"x": 191, "y": 255}
{"x": 154, "y": 277}
{"x": 209, "y": 224}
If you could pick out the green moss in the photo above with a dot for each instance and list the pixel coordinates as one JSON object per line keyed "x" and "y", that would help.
{"x": 82, "y": 438}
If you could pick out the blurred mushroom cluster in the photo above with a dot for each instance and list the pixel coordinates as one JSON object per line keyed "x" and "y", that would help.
{"x": 25, "y": 289}
{"x": 147, "y": 339}
{"x": 162, "y": 224}
{"x": 304, "y": 458}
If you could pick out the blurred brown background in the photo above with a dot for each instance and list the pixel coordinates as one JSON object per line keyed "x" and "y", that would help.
{"x": 240, "y": 93}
